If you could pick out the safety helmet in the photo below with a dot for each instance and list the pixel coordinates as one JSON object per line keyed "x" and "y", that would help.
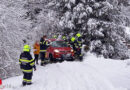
{"x": 26, "y": 48}
{"x": 78, "y": 35}
{"x": 54, "y": 36}
{"x": 64, "y": 37}
{"x": 73, "y": 39}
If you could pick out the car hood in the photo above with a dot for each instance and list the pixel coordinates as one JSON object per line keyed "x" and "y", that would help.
{"x": 63, "y": 48}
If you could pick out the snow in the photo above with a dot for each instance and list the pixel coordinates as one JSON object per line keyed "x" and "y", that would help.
{"x": 16, "y": 25}
{"x": 73, "y": 1}
{"x": 91, "y": 74}
{"x": 128, "y": 30}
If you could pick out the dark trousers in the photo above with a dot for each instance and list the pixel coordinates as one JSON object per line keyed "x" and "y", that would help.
{"x": 36, "y": 58}
{"x": 42, "y": 55}
{"x": 27, "y": 78}
{"x": 79, "y": 53}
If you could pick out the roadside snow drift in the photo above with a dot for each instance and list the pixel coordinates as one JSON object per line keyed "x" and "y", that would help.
{"x": 92, "y": 74}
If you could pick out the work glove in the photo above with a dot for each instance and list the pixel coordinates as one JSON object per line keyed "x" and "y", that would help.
{"x": 35, "y": 68}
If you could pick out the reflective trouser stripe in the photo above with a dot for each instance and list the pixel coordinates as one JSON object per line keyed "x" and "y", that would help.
{"x": 42, "y": 61}
{"x": 81, "y": 55}
{"x": 29, "y": 81}
{"x": 42, "y": 50}
{"x": 27, "y": 71}
{"x": 26, "y": 80}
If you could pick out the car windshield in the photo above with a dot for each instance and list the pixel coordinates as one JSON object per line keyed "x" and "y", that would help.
{"x": 59, "y": 44}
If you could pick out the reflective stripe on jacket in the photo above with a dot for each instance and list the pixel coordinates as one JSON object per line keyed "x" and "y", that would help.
{"x": 43, "y": 45}
{"x": 26, "y": 62}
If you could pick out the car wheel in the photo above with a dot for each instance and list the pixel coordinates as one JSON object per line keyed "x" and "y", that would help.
{"x": 72, "y": 59}
{"x": 62, "y": 59}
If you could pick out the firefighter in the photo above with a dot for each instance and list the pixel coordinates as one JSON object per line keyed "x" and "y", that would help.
{"x": 43, "y": 48}
{"x": 55, "y": 36}
{"x": 79, "y": 49}
{"x": 78, "y": 35}
{"x": 36, "y": 52}
{"x": 65, "y": 39}
{"x": 73, "y": 43}
{"x": 79, "y": 45}
{"x": 27, "y": 64}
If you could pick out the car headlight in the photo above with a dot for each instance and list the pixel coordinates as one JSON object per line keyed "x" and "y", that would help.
{"x": 72, "y": 50}
{"x": 57, "y": 51}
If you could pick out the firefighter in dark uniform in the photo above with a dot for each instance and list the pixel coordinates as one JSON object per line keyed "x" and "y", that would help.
{"x": 43, "y": 48}
{"x": 65, "y": 39}
{"x": 78, "y": 35}
{"x": 79, "y": 49}
{"x": 79, "y": 46}
{"x": 55, "y": 36}
{"x": 27, "y": 64}
{"x": 73, "y": 43}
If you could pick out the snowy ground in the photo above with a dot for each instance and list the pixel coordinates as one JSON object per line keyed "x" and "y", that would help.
{"x": 92, "y": 74}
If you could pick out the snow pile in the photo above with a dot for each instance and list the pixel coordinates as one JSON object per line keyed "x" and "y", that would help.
{"x": 92, "y": 74}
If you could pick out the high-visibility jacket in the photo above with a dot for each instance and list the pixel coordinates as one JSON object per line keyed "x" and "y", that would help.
{"x": 64, "y": 37}
{"x": 55, "y": 36}
{"x": 26, "y": 62}
{"x": 74, "y": 44}
{"x": 36, "y": 47}
{"x": 79, "y": 44}
{"x": 43, "y": 45}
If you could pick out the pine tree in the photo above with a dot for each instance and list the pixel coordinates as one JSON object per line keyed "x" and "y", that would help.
{"x": 101, "y": 23}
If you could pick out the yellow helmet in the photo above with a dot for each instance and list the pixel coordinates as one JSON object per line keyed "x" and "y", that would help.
{"x": 55, "y": 36}
{"x": 64, "y": 37}
{"x": 78, "y": 35}
{"x": 26, "y": 48}
{"x": 73, "y": 39}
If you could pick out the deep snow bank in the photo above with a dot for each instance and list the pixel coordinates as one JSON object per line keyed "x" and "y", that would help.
{"x": 92, "y": 74}
{"x": 116, "y": 71}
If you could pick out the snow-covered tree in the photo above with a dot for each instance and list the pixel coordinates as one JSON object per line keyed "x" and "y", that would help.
{"x": 21, "y": 20}
{"x": 101, "y": 23}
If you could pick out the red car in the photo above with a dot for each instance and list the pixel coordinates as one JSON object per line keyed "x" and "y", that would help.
{"x": 59, "y": 50}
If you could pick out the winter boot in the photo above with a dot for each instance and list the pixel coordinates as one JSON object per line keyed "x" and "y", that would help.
{"x": 24, "y": 83}
{"x": 29, "y": 83}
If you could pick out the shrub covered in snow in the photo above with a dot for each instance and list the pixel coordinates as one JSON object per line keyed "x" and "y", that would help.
{"x": 100, "y": 21}
{"x": 20, "y": 20}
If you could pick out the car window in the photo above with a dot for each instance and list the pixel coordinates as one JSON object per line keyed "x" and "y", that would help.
{"x": 59, "y": 44}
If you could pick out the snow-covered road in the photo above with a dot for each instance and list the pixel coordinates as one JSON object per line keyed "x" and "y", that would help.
{"x": 92, "y": 74}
